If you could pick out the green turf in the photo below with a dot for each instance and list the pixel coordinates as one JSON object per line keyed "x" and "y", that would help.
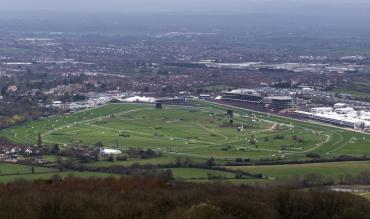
{"x": 359, "y": 89}
{"x": 45, "y": 176}
{"x": 195, "y": 132}
{"x": 8, "y": 168}
{"x": 334, "y": 170}
{"x": 10, "y": 172}
{"x": 131, "y": 161}
{"x": 193, "y": 173}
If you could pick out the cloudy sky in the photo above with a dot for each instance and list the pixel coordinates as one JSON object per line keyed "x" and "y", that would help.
{"x": 184, "y": 5}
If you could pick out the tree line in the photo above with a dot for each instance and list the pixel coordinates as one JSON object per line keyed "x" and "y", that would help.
{"x": 154, "y": 198}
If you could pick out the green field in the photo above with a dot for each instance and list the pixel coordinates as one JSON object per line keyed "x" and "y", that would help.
{"x": 359, "y": 89}
{"x": 8, "y": 168}
{"x": 335, "y": 169}
{"x": 10, "y": 172}
{"x": 192, "y": 173}
{"x": 196, "y": 132}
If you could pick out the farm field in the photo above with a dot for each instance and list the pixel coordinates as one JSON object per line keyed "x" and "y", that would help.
{"x": 8, "y": 168}
{"x": 194, "y": 132}
{"x": 11, "y": 172}
{"x": 356, "y": 88}
{"x": 193, "y": 173}
{"x": 334, "y": 170}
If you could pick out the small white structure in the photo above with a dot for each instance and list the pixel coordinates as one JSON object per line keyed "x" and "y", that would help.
{"x": 363, "y": 125}
{"x": 342, "y": 115}
{"x": 307, "y": 90}
{"x": 107, "y": 151}
{"x": 340, "y": 105}
{"x": 345, "y": 110}
{"x": 322, "y": 110}
{"x": 57, "y": 103}
{"x": 139, "y": 99}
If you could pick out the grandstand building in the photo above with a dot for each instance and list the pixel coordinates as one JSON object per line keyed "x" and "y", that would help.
{"x": 244, "y": 95}
{"x": 280, "y": 102}
{"x": 347, "y": 117}
{"x": 172, "y": 101}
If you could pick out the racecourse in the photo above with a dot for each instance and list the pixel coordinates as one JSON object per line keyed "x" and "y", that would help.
{"x": 197, "y": 132}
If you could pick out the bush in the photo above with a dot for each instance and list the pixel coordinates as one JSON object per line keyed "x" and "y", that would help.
{"x": 279, "y": 137}
{"x": 313, "y": 155}
{"x": 121, "y": 158}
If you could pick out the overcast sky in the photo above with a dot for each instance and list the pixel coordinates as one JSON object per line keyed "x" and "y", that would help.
{"x": 246, "y": 6}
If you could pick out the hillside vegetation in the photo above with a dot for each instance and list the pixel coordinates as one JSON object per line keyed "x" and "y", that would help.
{"x": 152, "y": 198}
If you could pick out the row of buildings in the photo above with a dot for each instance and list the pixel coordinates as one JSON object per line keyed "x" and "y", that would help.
{"x": 340, "y": 114}
{"x": 252, "y": 96}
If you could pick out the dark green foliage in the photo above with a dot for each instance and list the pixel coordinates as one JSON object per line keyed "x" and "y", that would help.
{"x": 142, "y": 153}
{"x": 39, "y": 140}
{"x": 313, "y": 155}
{"x": 154, "y": 198}
{"x": 279, "y": 137}
{"x": 211, "y": 162}
{"x": 99, "y": 144}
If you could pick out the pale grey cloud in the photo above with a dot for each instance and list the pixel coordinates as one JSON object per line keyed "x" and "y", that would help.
{"x": 180, "y": 5}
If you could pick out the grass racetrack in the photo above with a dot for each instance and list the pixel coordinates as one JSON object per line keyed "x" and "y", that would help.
{"x": 196, "y": 132}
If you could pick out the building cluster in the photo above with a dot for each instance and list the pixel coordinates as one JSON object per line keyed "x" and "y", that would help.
{"x": 340, "y": 68}
{"x": 252, "y": 96}
{"x": 17, "y": 153}
{"x": 341, "y": 114}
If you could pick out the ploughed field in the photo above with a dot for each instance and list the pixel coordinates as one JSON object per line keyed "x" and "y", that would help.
{"x": 195, "y": 132}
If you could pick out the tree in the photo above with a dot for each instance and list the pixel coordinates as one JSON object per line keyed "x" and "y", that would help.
{"x": 313, "y": 155}
{"x": 55, "y": 149}
{"x": 231, "y": 122}
{"x": 99, "y": 144}
{"x": 294, "y": 137}
{"x": 211, "y": 162}
{"x": 39, "y": 140}
{"x": 110, "y": 158}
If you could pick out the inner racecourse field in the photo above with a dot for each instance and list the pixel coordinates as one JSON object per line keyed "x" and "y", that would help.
{"x": 196, "y": 132}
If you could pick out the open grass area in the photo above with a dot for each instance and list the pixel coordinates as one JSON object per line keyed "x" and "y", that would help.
{"x": 337, "y": 141}
{"x": 198, "y": 133}
{"x": 10, "y": 172}
{"x": 131, "y": 161}
{"x": 194, "y": 173}
{"x": 359, "y": 89}
{"x": 335, "y": 169}
{"x": 195, "y": 132}
{"x": 46, "y": 176}
{"x": 217, "y": 88}
{"x": 8, "y": 168}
